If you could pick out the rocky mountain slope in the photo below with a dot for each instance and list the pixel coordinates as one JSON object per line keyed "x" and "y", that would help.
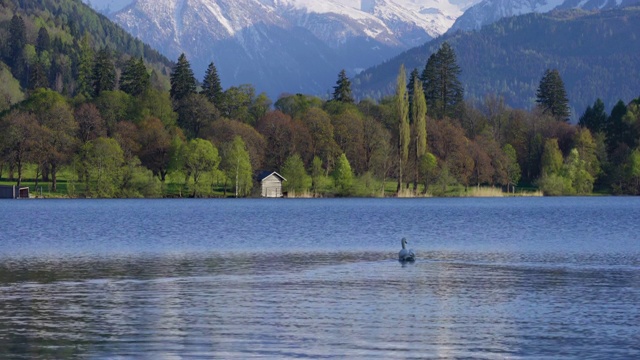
{"x": 285, "y": 45}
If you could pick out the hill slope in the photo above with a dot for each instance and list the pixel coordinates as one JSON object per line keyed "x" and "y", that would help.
{"x": 65, "y": 24}
{"x": 597, "y": 54}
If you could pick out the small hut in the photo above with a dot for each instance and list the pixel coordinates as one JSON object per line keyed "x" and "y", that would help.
{"x": 13, "y": 192}
{"x": 271, "y": 183}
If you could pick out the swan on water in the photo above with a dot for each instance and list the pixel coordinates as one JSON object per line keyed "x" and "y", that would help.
{"x": 406, "y": 254}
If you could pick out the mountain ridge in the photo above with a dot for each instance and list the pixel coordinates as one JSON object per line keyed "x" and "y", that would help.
{"x": 597, "y": 54}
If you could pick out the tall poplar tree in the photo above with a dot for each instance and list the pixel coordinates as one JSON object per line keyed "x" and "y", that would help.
{"x": 552, "y": 97}
{"x": 183, "y": 82}
{"x": 211, "y": 86}
{"x": 404, "y": 129}
{"x": 342, "y": 90}
{"x": 419, "y": 127}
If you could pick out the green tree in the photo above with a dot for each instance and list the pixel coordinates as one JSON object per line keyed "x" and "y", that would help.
{"x": 183, "y": 82}
{"x": 552, "y": 160}
{"x": 298, "y": 181}
{"x": 104, "y": 72}
{"x": 404, "y": 129}
{"x": 418, "y": 127}
{"x": 59, "y": 127}
{"x": 428, "y": 169}
{"x": 199, "y": 156}
{"x": 343, "y": 175}
{"x": 135, "y": 80}
{"x": 618, "y": 131}
{"x": 237, "y": 166}
{"x": 43, "y": 42}
{"x": 512, "y": 167}
{"x": 594, "y": 118}
{"x": 85, "y": 67}
{"x": 103, "y": 159}
{"x": 633, "y": 166}
{"x": 443, "y": 91}
{"x": 211, "y": 86}
{"x": 342, "y": 90}
{"x": 195, "y": 113}
{"x": 17, "y": 40}
{"x": 552, "y": 96}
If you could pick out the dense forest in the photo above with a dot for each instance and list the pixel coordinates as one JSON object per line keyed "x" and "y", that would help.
{"x": 597, "y": 53}
{"x": 120, "y": 121}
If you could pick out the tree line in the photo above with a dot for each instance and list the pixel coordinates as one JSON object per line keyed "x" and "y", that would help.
{"x": 120, "y": 134}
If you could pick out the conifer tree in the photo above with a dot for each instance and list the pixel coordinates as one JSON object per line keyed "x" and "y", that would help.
{"x": 552, "y": 97}
{"x": 211, "y": 86}
{"x": 183, "y": 82}
{"x": 17, "y": 40}
{"x": 443, "y": 91}
{"x": 104, "y": 72}
{"x": 404, "y": 130}
{"x": 594, "y": 118}
{"x": 135, "y": 79}
{"x": 43, "y": 43}
{"x": 342, "y": 90}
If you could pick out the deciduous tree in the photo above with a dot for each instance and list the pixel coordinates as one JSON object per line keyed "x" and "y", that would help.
{"x": 298, "y": 181}
{"x": 404, "y": 128}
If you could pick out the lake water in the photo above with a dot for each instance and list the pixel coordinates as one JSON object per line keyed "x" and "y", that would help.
{"x": 512, "y": 278}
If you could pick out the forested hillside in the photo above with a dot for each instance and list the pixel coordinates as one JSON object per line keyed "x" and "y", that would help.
{"x": 48, "y": 42}
{"x": 597, "y": 53}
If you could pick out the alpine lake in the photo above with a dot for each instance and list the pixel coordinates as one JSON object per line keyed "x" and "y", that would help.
{"x": 494, "y": 278}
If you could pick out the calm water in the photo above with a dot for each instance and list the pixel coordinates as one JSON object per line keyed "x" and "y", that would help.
{"x": 521, "y": 278}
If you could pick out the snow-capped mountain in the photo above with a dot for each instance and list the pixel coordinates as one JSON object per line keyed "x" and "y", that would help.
{"x": 284, "y": 45}
{"x": 489, "y": 11}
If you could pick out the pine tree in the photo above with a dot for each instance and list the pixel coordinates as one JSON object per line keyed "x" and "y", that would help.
{"x": 43, "y": 43}
{"x": 442, "y": 88}
{"x": 38, "y": 77}
{"x": 552, "y": 97}
{"x": 17, "y": 40}
{"x": 404, "y": 130}
{"x": 211, "y": 86}
{"x": 135, "y": 79}
{"x": 104, "y": 72}
{"x": 183, "y": 82}
{"x": 342, "y": 90}
{"x": 594, "y": 118}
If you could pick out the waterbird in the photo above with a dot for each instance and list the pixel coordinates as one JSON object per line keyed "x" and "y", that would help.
{"x": 406, "y": 254}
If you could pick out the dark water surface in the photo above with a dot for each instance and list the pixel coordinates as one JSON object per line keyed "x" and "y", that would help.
{"x": 514, "y": 278}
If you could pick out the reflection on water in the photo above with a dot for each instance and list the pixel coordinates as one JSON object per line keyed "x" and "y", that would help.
{"x": 281, "y": 305}
{"x": 166, "y": 279}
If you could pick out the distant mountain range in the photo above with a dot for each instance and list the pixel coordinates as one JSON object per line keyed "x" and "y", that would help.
{"x": 596, "y": 52}
{"x": 284, "y": 45}
{"x": 299, "y": 46}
